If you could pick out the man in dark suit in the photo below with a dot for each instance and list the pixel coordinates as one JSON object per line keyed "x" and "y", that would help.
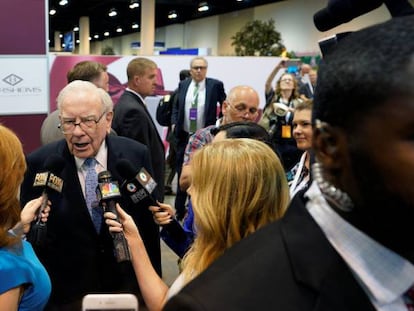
{"x": 132, "y": 119}
{"x": 79, "y": 257}
{"x": 199, "y": 101}
{"x": 346, "y": 243}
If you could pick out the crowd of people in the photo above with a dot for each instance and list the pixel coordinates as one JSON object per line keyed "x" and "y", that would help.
{"x": 296, "y": 206}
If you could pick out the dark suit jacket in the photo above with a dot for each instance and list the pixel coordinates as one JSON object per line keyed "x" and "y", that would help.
{"x": 132, "y": 119}
{"x": 214, "y": 94}
{"x": 287, "y": 265}
{"x": 78, "y": 260}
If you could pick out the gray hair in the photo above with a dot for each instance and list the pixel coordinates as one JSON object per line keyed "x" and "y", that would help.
{"x": 79, "y": 86}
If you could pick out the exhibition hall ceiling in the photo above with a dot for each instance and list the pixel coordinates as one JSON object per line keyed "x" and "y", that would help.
{"x": 127, "y": 19}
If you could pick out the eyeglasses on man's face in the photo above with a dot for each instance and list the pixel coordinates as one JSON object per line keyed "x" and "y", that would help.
{"x": 199, "y": 68}
{"x": 88, "y": 124}
{"x": 243, "y": 109}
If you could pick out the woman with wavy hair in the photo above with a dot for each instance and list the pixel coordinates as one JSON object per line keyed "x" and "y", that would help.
{"x": 238, "y": 186}
{"x": 25, "y": 284}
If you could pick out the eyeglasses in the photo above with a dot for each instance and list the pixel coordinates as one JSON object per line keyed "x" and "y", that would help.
{"x": 88, "y": 124}
{"x": 242, "y": 109}
{"x": 199, "y": 67}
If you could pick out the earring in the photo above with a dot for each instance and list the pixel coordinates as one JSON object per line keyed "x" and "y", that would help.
{"x": 337, "y": 197}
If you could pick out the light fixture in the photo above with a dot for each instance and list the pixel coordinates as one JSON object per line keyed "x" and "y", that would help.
{"x": 134, "y": 4}
{"x": 77, "y": 41}
{"x": 52, "y": 12}
{"x": 112, "y": 12}
{"x": 119, "y": 29}
{"x": 76, "y": 28}
{"x": 203, "y": 6}
{"x": 96, "y": 36}
{"x": 63, "y": 2}
{"x": 135, "y": 26}
{"x": 60, "y": 35}
{"x": 106, "y": 33}
{"x": 172, "y": 15}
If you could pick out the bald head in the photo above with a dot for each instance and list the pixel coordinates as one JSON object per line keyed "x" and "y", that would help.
{"x": 241, "y": 104}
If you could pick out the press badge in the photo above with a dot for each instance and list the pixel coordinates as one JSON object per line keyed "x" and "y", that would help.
{"x": 286, "y": 131}
{"x": 193, "y": 114}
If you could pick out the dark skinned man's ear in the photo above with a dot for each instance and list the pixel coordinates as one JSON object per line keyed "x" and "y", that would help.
{"x": 328, "y": 143}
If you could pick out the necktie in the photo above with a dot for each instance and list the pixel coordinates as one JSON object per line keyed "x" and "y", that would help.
{"x": 91, "y": 182}
{"x": 409, "y": 298}
{"x": 193, "y": 110}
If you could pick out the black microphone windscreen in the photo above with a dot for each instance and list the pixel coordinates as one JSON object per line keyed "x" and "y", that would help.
{"x": 342, "y": 11}
{"x": 125, "y": 169}
{"x": 55, "y": 164}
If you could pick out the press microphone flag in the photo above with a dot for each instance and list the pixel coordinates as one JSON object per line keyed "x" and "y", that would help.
{"x": 138, "y": 187}
{"x": 108, "y": 194}
{"x": 49, "y": 181}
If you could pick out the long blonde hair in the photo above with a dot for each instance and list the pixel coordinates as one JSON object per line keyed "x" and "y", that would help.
{"x": 238, "y": 186}
{"x": 12, "y": 168}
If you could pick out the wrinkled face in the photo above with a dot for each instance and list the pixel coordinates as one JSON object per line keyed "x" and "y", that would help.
{"x": 198, "y": 70}
{"x": 302, "y": 129}
{"x": 243, "y": 106}
{"x": 286, "y": 82}
{"x": 146, "y": 83}
{"x": 103, "y": 81}
{"x": 83, "y": 141}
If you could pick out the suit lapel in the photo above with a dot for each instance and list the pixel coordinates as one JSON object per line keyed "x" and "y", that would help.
{"x": 316, "y": 264}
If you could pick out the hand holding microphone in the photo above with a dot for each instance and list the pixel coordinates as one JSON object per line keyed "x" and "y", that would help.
{"x": 48, "y": 181}
{"x": 138, "y": 187}
{"x": 163, "y": 213}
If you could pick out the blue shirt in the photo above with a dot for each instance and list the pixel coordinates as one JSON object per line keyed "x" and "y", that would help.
{"x": 19, "y": 266}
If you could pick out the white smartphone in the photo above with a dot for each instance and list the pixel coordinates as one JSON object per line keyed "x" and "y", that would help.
{"x": 110, "y": 302}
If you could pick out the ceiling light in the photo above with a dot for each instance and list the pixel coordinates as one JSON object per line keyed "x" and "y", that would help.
{"x": 63, "y": 2}
{"x": 134, "y": 4}
{"x": 60, "y": 35}
{"x": 77, "y": 41}
{"x": 96, "y": 36}
{"x": 203, "y": 6}
{"x": 76, "y": 28}
{"x": 106, "y": 33}
{"x": 52, "y": 12}
{"x": 112, "y": 13}
{"x": 119, "y": 29}
{"x": 172, "y": 15}
{"x": 90, "y": 38}
{"x": 135, "y": 26}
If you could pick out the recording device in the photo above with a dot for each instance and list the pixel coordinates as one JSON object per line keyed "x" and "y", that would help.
{"x": 49, "y": 181}
{"x": 138, "y": 187}
{"x": 110, "y": 302}
{"x": 108, "y": 194}
{"x": 280, "y": 109}
{"x": 338, "y": 12}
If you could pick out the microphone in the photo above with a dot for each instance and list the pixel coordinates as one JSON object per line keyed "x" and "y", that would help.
{"x": 108, "y": 194}
{"x": 138, "y": 187}
{"x": 48, "y": 180}
{"x": 342, "y": 11}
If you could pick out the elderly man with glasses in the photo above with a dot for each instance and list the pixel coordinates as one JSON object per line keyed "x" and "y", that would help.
{"x": 78, "y": 250}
